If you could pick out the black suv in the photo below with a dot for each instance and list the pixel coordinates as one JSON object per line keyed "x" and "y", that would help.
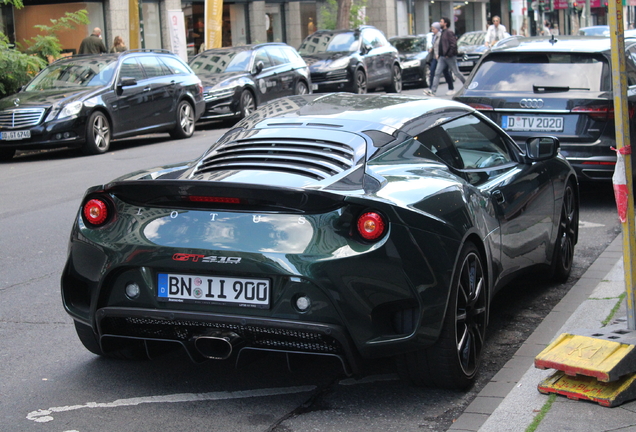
{"x": 560, "y": 85}
{"x": 85, "y": 101}
{"x": 237, "y": 80}
{"x": 352, "y": 60}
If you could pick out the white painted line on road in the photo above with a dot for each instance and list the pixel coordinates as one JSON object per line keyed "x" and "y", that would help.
{"x": 583, "y": 224}
{"x": 43, "y": 416}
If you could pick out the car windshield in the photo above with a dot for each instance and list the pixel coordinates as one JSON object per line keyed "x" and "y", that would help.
{"x": 522, "y": 72}
{"x": 329, "y": 42}
{"x": 74, "y": 74}
{"x": 409, "y": 45}
{"x": 471, "y": 39}
{"x": 222, "y": 61}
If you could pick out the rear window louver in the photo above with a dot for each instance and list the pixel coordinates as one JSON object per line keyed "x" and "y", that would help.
{"x": 318, "y": 159}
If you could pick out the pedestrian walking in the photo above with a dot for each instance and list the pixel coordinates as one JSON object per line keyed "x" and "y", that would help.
{"x": 495, "y": 32}
{"x": 436, "y": 28}
{"x": 447, "y": 57}
{"x": 118, "y": 45}
{"x": 93, "y": 44}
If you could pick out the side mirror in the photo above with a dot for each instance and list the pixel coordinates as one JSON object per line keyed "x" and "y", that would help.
{"x": 258, "y": 68}
{"x": 365, "y": 49}
{"x": 541, "y": 148}
{"x": 127, "y": 81}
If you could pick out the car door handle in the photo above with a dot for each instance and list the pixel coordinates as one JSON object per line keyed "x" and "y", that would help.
{"x": 498, "y": 196}
{"x": 147, "y": 88}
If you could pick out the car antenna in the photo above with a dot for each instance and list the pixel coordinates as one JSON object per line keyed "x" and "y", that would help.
{"x": 552, "y": 40}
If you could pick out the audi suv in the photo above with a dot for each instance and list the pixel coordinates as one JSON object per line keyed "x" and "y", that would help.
{"x": 559, "y": 85}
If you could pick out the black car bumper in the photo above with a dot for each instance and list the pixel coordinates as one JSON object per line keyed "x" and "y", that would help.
{"x": 54, "y": 134}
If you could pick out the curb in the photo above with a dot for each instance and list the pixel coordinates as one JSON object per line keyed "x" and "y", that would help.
{"x": 516, "y": 382}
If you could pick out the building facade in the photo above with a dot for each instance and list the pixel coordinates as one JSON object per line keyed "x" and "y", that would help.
{"x": 143, "y": 23}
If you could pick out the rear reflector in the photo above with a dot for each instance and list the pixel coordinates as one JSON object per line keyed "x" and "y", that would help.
{"x": 481, "y": 107}
{"x": 224, "y": 200}
{"x": 598, "y": 163}
{"x": 371, "y": 226}
{"x": 95, "y": 212}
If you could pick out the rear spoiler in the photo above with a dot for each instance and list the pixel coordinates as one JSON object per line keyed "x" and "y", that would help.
{"x": 193, "y": 194}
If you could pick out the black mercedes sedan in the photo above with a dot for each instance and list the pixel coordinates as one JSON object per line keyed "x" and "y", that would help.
{"x": 85, "y": 101}
{"x": 343, "y": 225}
{"x": 559, "y": 85}
{"x": 237, "y": 80}
{"x": 355, "y": 61}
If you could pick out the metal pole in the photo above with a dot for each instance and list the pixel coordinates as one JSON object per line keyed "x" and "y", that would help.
{"x": 619, "y": 84}
{"x": 141, "y": 25}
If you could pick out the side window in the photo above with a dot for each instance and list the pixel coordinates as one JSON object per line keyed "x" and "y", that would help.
{"x": 292, "y": 55}
{"x": 277, "y": 56}
{"x": 261, "y": 55}
{"x": 437, "y": 142}
{"x": 175, "y": 66}
{"x": 152, "y": 67}
{"x": 131, "y": 69}
{"x": 631, "y": 66}
{"x": 478, "y": 145}
{"x": 373, "y": 38}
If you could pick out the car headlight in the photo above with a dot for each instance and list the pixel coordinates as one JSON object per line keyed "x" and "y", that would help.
{"x": 410, "y": 64}
{"x": 218, "y": 94}
{"x": 70, "y": 110}
{"x": 341, "y": 63}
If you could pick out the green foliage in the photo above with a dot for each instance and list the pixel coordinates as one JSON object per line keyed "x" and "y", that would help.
{"x": 329, "y": 14}
{"x": 17, "y": 67}
{"x": 46, "y": 44}
{"x": 16, "y": 3}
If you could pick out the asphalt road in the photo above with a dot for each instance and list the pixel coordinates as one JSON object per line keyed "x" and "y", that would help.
{"x": 49, "y": 382}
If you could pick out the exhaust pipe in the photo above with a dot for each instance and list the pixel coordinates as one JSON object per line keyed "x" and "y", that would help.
{"x": 217, "y": 345}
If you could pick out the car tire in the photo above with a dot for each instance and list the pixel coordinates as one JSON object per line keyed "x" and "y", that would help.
{"x": 359, "y": 82}
{"x": 563, "y": 256}
{"x": 97, "y": 134}
{"x": 453, "y": 361}
{"x": 129, "y": 350}
{"x": 185, "y": 121}
{"x": 6, "y": 154}
{"x": 301, "y": 88}
{"x": 396, "y": 80}
{"x": 247, "y": 103}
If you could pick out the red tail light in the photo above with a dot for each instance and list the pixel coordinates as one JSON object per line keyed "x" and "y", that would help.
{"x": 95, "y": 212}
{"x": 599, "y": 113}
{"x": 481, "y": 107}
{"x": 598, "y": 163}
{"x": 224, "y": 200}
{"x": 371, "y": 226}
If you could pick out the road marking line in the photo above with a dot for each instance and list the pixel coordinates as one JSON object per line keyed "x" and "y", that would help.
{"x": 583, "y": 224}
{"x": 43, "y": 416}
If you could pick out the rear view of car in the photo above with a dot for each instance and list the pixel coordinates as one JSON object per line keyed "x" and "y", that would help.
{"x": 561, "y": 87}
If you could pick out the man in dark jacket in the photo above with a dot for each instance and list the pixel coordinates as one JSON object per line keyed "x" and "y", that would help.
{"x": 93, "y": 44}
{"x": 447, "y": 57}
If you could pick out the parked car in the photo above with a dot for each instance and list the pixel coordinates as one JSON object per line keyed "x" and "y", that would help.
{"x": 470, "y": 48}
{"x": 413, "y": 50}
{"x": 561, "y": 86}
{"x": 85, "y": 101}
{"x": 598, "y": 30}
{"x": 354, "y": 226}
{"x": 357, "y": 61}
{"x": 236, "y": 80}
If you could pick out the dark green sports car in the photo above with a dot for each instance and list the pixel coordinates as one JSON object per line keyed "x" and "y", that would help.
{"x": 354, "y": 226}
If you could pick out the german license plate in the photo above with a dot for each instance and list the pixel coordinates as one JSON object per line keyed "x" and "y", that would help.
{"x": 15, "y": 135}
{"x": 465, "y": 63}
{"x": 532, "y": 123}
{"x": 243, "y": 292}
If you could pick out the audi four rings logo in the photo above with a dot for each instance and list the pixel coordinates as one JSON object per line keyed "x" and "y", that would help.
{"x": 531, "y": 103}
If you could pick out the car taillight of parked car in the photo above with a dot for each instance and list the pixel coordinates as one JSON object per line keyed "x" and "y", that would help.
{"x": 371, "y": 226}
{"x": 96, "y": 212}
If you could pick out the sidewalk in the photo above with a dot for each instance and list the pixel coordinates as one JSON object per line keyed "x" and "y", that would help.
{"x": 511, "y": 401}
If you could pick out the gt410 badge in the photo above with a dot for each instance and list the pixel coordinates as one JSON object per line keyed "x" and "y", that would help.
{"x": 206, "y": 259}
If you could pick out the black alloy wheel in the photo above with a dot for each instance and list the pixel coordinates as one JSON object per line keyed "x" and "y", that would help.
{"x": 453, "y": 361}
{"x": 185, "y": 121}
{"x": 247, "y": 103}
{"x": 564, "y": 248}
{"x": 359, "y": 82}
{"x": 301, "y": 88}
{"x": 97, "y": 134}
{"x": 396, "y": 80}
